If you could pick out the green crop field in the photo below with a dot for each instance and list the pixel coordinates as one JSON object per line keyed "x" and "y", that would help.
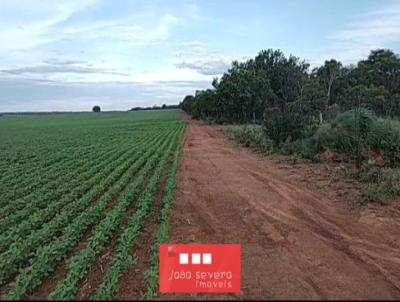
{"x": 73, "y": 185}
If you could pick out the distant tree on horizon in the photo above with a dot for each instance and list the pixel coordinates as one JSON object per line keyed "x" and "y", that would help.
{"x": 96, "y": 109}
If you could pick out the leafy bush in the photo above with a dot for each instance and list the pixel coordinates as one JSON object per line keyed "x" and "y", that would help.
{"x": 303, "y": 148}
{"x": 383, "y": 185}
{"x": 350, "y": 130}
{"x": 250, "y": 136}
{"x": 369, "y": 173}
{"x": 289, "y": 122}
{"x": 361, "y": 118}
{"x": 378, "y": 184}
{"x": 332, "y": 112}
{"x": 385, "y": 136}
{"x": 324, "y": 137}
{"x": 360, "y": 131}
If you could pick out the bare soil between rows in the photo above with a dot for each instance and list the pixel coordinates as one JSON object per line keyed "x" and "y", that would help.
{"x": 301, "y": 234}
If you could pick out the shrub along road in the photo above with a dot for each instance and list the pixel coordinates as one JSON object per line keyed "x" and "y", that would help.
{"x": 298, "y": 240}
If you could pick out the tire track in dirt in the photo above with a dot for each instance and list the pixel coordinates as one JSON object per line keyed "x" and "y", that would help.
{"x": 299, "y": 241}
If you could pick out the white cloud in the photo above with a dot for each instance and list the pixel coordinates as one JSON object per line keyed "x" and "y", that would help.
{"x": 367, "y": 31}
{"x": 32, "y": 95}
{"x": 135, "y": 30}
{"x": 61, "y": 55}
{"x": 212, "y": 66}
{"x": 50, "y": 69}
{"x": 28, "y": 23}
{"x": 113, "y": 39}
{"x": 195, "y": 55}
{"x": 196, "y": 44}
{"x": 170, "y": 74}
{"x": 55, "y": 61}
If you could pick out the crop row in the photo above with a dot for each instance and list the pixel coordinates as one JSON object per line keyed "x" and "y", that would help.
{"x": 20, "y": 163}
{"x": 45, "y": 174}
{"x": 122, "y": 257}
{"x": 53, "y": 173}
{"x": 47, "y": 256}
{"x": 58, "y": 154}
{"x": 80, "y": 264}
{"x": 47, "y": 160}
{"x": 161, "y": 236}
{"x": 71, "y": 177}
{"x": 61, "y": 187}
{"x": 14, "y": 185}
{"x": 22, "y": 248}
{"x": 36, "y": 217}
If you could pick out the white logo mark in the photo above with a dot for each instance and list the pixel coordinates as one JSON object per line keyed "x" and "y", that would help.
{"x": 196, "y": 258}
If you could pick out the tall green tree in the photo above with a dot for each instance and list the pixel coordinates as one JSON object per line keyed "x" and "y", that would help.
{"x": 327, "y": 76}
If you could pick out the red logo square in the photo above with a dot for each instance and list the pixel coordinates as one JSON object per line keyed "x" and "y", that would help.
{"x": 199, "y": 268}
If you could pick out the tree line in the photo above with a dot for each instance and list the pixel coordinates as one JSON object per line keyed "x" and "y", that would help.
{"x": 284, "y": 94}
{"x": 155, "y": 107}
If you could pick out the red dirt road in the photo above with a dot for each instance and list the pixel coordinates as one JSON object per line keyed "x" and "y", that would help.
{"x": 299, "y": 240}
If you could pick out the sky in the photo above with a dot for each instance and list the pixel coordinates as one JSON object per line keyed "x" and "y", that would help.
{"x": 71, "y": 55}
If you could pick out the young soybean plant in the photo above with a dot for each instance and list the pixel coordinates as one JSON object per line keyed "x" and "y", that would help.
{"x": 122, "y": 257}
{"x": 79, "y": 265}
{"x": 92, "y": 195}
{"x": 161, "y": 236}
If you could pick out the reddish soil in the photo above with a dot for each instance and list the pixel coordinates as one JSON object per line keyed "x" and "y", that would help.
{"x": 302, "y": 236}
